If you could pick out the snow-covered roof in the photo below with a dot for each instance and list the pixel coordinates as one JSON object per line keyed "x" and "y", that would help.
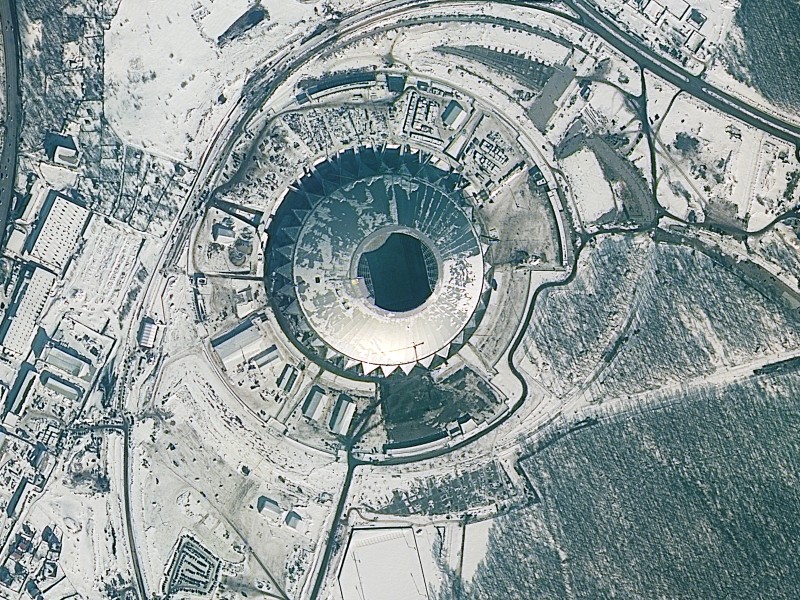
{"x": 239, "y": 345}
{"x": 292, "y": 519}
{"x": 147, "y": 334}
{"x": 67, "y": 362}
{"x": 342, "y": 415}
{"x": 60, "y": 225}
{"x": 61, "y": 387}
{"x": 268, "y": 504}
{"x": 315, "y": 403}
{"x": 24, "y": 315}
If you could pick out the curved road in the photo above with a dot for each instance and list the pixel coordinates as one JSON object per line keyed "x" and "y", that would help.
{"x": 594, "y": 20}
{"x": 262, "y": 87}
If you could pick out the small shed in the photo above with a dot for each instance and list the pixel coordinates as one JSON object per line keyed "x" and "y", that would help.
{"x": 268, "y": 505}
{"x": 292, "y": 519}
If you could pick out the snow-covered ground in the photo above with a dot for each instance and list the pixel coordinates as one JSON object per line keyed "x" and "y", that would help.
{"x": 476, "y": 544}
{"x": 734, "y": 170}
{"x": 592, "y": 193}
{"x": 168, "y": 83}
{"x": 94, "y": 543}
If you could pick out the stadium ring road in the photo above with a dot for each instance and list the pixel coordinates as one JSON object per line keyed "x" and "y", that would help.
{"x": 269, "y": 79}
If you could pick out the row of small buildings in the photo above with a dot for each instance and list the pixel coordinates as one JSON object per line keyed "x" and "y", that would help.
{"x": 245, "y": 344}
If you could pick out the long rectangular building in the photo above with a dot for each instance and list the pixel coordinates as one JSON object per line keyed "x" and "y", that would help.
{"x": 18, "y": 329}
{"x": 342, "y": 415}
{"x": 238, "y": 346}
{"x": 315, "y": 403}
{"x": 68, "y": 362}
{"x": 61, "y": 223}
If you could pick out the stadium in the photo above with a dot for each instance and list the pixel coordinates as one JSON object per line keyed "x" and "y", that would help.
{"x": 376, "y": 262}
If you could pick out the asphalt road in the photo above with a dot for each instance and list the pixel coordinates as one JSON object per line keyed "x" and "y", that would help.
{"x": 591, "y": 18}
{"x": 13, "y": 116}
{"x": 263, "y": 87}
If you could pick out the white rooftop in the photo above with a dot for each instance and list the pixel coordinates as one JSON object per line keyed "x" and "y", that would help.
{"x": 342, "y": 415}
{"x": 239, "y": 345}
{"x": 62, "y": 388}
{"x": 58, "y": 234}
{"x": 147, "y": 334}
{"x": 67, "y": 362}
{"x": 315, "y": 403}
{"x": 26, "y": 315}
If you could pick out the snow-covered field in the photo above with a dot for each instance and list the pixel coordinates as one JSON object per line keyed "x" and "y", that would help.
{"x": 589, "y": 187}
{"x": 95, "y": 547}
{"x": 735, "y": 170}
{"x": 476, "y": 544}
{"x": 169, "y": 83}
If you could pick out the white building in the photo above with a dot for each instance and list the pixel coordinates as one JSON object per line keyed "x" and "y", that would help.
{"x": 268, "y": 506}
{"x": 292, "y": 519}
{"x": 342, "y": 415}
{"x": 266, "y": 357}
{"x": 23, "y": 317}
{"x": 67, "y": 157}
{"x": 147, "y": 333}
{"x": 60, "y": 225}
{"x": 69, "y": 363}
{"x": 315, "y": 403}
{"x": 238, "y": 346}
{"x": 222, "y": 234}
{"x": 61, "y": 387}
{"x": 454, "y": 115}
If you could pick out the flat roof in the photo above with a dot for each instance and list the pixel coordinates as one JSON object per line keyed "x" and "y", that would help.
{"x": 60, "y": 224}
{"x": 239, "y": 345}
{"x": 292, "y": 519}
{"x": 147, "y": 334}
{"x": 452, "y": 112}
{"x": 23, "y": 318}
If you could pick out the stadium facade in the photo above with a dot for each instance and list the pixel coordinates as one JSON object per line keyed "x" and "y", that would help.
{"x": 376, "y": 262}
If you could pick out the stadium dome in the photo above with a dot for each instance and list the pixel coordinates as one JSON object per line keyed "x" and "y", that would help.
{"x": 374, "y": 261}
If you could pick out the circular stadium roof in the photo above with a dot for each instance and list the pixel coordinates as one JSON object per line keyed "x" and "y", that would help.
{"x": 374, "y": 261}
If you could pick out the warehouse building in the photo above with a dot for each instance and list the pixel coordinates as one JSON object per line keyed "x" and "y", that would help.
{"x": 342, "y": 415}
{"x": 60, "y": 224}
{"x": 239, "y": 345}
{"x": 61, "y": 387}
{"x": 268, "y": 506}
{"x": 315, "y": 403}
{"x": 19, "y": 327}
{"x": 454, "y": 115}
{"x": 147, "y": 333}
{"x": 67, "y": 362}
